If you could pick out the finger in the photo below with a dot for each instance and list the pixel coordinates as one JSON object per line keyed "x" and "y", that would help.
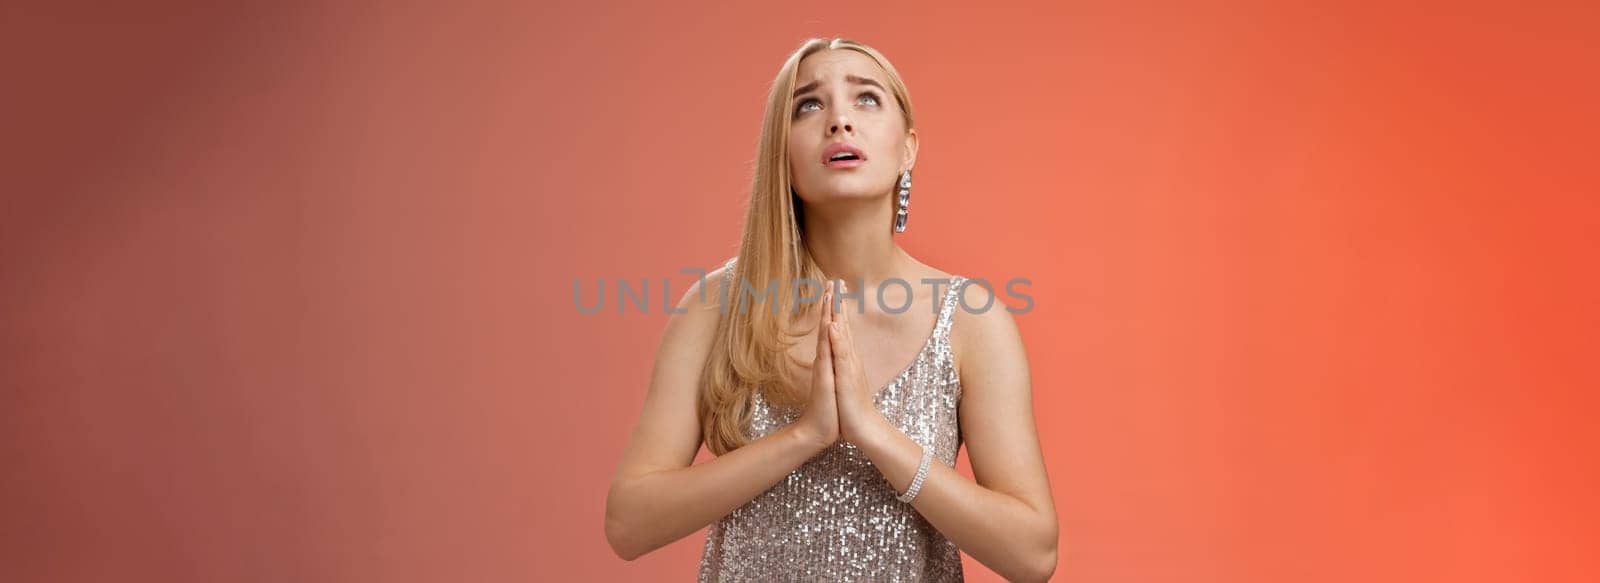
{"x": 825, "y": 351}
{"x": 841, "y": 351}
{"x": 822, "y": 371}
{"x": 823, "y": 319}
{"x": 839, "y": 314}
{"x": 846, "y": 346}
{"x": 844, "y": 317}
{"x": 839, "y": 334}
{"x": 824, "y": 359}
{"x": 855, "y": 355}
{"x": 827, "y": 295}
{"x": 827, "y": 310}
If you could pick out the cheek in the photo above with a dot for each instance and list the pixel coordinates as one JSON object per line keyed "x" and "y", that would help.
{"x": 797, "y": 157}
{"x": 794, "y": 163}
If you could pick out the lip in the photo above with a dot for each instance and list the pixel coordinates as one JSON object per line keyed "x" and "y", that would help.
{"x": 838, "y": 147}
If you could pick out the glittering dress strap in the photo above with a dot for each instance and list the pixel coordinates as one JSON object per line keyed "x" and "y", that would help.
{"x": 728, "y": 286}
{"x": 952, "y": 296}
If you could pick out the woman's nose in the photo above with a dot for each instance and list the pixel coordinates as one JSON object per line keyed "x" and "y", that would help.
{"x": 840, "y": 124}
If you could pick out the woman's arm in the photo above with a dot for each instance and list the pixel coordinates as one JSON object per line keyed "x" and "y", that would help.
{"x": 657, "y": 496}
{"x": 1006, "y": 520}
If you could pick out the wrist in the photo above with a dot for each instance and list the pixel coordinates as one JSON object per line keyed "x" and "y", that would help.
{"x": 871, "y": 432}
{"x": 807, "y": 437}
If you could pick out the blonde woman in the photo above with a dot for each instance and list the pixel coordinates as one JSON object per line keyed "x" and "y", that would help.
{"x": 836, "y": 411}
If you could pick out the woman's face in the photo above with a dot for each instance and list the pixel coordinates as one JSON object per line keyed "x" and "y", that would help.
{"x": 843, "y": 106}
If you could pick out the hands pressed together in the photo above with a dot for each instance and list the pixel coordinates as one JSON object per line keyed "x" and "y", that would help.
{"x": 841, "y": 403}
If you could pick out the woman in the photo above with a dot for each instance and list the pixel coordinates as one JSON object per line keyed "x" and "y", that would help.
{"x": 836, "y": 422}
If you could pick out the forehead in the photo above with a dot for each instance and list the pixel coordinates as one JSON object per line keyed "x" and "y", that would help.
{"x": 834, "y": 64}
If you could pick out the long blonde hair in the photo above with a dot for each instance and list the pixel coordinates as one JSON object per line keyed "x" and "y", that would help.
{"x": 750, "y": 348}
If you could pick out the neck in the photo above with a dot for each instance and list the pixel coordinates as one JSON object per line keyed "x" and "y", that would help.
{"x": 853, "y": 241}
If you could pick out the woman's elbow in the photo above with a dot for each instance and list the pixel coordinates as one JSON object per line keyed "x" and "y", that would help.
{"x": 622, "y": 533}
{"x": 617, "y": 537}
{"x": 619, "y": 532}
{"x": 1046, "y": 567}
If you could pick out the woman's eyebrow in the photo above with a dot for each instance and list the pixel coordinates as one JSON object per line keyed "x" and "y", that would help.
{"x": 851, "y": 78}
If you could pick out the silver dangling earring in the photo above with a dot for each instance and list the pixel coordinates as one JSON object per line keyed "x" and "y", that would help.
{"x": 904, "y": 212}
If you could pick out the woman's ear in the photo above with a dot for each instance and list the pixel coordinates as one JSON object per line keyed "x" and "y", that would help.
{"x": 911, "y": 149}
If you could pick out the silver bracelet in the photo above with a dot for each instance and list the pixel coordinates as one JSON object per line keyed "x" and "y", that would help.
{"x": 922, "y": 474}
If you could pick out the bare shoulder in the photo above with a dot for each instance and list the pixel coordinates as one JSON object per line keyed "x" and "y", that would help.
{"x": 983, "y": 332}
{"x": 693, "y": 322}
{"x": 704, "y": 295}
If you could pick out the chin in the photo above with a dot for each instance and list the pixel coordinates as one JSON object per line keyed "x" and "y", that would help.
{"x": 849, "y": 187}
{"x": 842, "y": 194}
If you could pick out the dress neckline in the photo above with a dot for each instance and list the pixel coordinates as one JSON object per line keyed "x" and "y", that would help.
{"x": 939, "y": 322}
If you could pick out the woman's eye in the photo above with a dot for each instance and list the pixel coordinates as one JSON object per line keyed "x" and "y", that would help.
{"x": 813, "y": 104}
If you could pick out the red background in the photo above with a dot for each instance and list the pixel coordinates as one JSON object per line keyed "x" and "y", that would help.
{"x": 287, "y": 287}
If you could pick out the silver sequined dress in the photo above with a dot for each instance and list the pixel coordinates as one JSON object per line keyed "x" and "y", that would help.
{"x": 836, "y": 518}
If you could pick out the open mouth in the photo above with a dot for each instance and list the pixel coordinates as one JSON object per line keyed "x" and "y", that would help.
{"x": 844, "y": 162}
{"x": 844, "y": 159}
{"x": 842, "y": 154}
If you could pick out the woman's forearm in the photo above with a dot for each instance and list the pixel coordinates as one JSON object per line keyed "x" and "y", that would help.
{"x": 999, "y": 530}
{"x": 647, "y": 511}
